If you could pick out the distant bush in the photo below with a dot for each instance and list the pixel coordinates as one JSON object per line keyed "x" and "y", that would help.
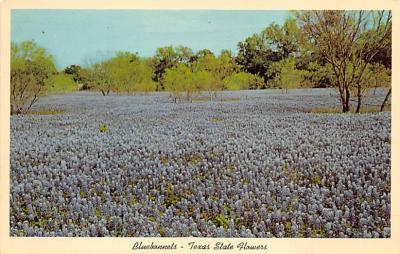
{"x": 242, "y": 81}
{"x": 60, "y": 83}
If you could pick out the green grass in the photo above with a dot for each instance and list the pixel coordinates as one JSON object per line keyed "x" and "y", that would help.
{"x": 164, "y": 160}
{"x": 231, "y": 99}
{"x": 338, "y": 110}
{"x": 320, "y": 232}
{"x": 152, "y": 198}
{"x": 161, "y": 230}
{"x": 291, "y": 174}
{"x": 82, "y": 194}
{"x": 245, "y": 180}
{"x": 216, "y": 119}
{"x": 231, "y": 168}
{"x": 103, "y": 127}
{"x": 201, "y": 99}
{"x": 98, "y": 213}
{"x": 171, "y": 198}
{"x": 316, "y": 180}
{"x": 134, "y": 201}
{"x": 47, "y": 112}
{"x": 222, "y": 220}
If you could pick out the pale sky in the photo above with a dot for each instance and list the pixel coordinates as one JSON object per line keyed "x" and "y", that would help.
{"x": 74, "y": 36}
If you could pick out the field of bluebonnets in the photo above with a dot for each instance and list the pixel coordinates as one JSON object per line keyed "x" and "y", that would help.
{"x": 249, "y": 164}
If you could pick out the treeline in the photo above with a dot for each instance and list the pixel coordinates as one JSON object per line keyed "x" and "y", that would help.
{"x": 178, "y": 70}
{"x": 349, "y": 50}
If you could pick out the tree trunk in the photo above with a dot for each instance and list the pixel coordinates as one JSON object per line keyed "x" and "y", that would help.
{"x": 344, "y": 107}
{"x": 386, "y": 99}
{"x": 346, "y": 100}
{"x": 358, "y": 104}
{"x": 359, "y": 99}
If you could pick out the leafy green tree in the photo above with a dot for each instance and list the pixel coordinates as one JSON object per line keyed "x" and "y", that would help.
{"x": 255, "y": 56}
{"x": 123, "y": 73}
{"x": 206, "y": 81}
{"x": 286, "y": 39}
{"x": 164, "y": 58}
{"x": 207, "y": 62}
{"x": 185, "y": 54}
{"x": 169, "y": 57}
{"x": 289, "y": 77}
{"x": 201, "y": 53}
{"x": 220, "y": 67}
{"x": 179, "y": 81}
{"x": 226, "y": 65}
{"x": 317, "y": 75}
{"x": 384, "y": 56}
{"x": 259, "y": 51}
{"x": 31, "y": 67}
{"x": 144, "y": 82}
{"x": 76, "y": 72}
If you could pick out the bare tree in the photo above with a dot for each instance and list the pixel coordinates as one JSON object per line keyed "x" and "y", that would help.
{"x": 348, "y": 41}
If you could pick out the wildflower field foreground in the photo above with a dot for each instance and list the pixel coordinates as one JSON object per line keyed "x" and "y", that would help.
{"x": 246, "y": 164}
